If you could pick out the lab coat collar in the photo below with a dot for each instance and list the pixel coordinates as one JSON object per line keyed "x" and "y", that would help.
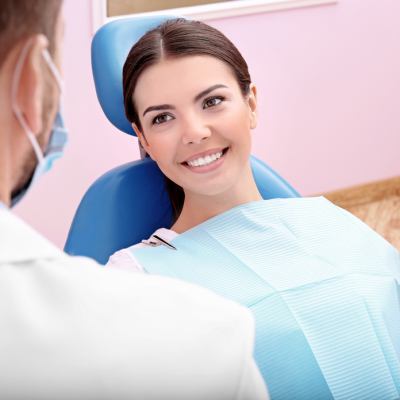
{"x": 19, "y": 242}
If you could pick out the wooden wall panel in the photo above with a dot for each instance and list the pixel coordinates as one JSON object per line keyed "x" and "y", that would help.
{"x": 377, "y": 204}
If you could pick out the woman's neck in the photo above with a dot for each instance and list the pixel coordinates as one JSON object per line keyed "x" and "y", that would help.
{"x": 199, "y": 208}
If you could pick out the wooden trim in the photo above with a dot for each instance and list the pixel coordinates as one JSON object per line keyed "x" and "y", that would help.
{"x": 365, "y": 194}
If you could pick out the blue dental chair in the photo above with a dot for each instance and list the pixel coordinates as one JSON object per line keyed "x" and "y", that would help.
{"x": 128, "y": 203}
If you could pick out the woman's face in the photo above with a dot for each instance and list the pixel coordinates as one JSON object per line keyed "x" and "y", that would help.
{"x": 196, "y": 123}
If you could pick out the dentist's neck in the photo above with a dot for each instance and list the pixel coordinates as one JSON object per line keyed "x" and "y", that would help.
{"x": 5, "y": 177}
{"x": 5, "y": 161}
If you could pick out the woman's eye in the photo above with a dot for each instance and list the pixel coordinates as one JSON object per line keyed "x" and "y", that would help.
{"x": 212, "y": 101}
{"x": 160, "y": 119}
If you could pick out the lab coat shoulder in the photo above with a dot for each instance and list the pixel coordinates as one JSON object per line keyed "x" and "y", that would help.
{"x": 69, "y": 326}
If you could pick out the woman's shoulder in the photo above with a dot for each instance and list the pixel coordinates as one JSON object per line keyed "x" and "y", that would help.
{"x": 312, "y": 212}
{"x": 300, "y": 202}
{"x": 125, "y": 258}
{"x": 318, "y": 220}
{"x": 306, "y": 206}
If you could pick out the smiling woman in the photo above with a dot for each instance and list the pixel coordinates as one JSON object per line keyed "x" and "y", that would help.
{"x": 201, "y": 138}
{"x": 211, "y": 111}
{"x": 322, "y": 285}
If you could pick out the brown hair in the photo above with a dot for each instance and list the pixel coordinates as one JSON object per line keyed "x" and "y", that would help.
{"x": 179, "y": 38}
{"x": 22, "y": 18}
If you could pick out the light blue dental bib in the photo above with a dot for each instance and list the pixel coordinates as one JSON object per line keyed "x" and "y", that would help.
{"x": 322, "y": 286}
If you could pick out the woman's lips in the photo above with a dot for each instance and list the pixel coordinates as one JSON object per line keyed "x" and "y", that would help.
{"x": 204, "y": 154}
{"x": 209, "y": 167}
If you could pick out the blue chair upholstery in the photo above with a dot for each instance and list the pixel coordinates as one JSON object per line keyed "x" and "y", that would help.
{"x": 128, "y": 203}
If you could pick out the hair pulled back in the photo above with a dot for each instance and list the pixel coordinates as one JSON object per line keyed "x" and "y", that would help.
{"x": 173, "y": 39}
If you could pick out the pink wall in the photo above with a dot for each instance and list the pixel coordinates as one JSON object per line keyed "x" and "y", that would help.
{"x": 329, "y": 93}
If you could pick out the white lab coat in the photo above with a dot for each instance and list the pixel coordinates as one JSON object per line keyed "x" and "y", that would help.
{"x": 70, "y": 329}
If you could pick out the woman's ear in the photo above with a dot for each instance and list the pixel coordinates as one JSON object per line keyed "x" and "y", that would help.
{"x": 142, "y": 139}
{"x": 31, "y": 89}
{"x": 252, "y": 102}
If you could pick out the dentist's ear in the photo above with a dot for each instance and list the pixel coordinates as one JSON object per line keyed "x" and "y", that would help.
{"x": 142, "y": 139}
{"x": 31, "y": 87}
{"x": 252, "y": 101}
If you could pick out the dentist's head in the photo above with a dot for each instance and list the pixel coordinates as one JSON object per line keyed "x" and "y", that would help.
{"x": 31, "y": 129}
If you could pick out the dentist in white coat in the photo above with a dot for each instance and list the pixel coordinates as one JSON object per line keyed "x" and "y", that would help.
{"x": 68, "y": 328}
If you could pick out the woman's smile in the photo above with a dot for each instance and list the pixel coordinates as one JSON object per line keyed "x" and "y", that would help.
{"x": 206, "y": 161}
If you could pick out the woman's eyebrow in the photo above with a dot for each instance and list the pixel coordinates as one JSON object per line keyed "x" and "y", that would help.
{"x": 210, "y": 89}
{"x": 158, "y": 108}
{"x": 198, "y": 97}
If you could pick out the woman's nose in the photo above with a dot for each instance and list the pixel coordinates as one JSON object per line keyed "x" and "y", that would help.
{"x": 195, "y": 131}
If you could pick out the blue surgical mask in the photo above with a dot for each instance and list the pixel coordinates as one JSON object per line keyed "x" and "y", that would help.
{"x": 58, "y": 136}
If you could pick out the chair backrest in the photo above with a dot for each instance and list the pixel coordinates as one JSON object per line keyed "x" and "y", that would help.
{"x": 128, "y": 203}
{"x": 110, "y": 47}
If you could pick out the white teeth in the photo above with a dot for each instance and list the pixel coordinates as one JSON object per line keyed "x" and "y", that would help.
{"x": 201, "y": 161}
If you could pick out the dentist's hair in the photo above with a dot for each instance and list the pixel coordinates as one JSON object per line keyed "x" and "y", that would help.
{"x": 173, "y": 39}
{"x": 20, "y": 19}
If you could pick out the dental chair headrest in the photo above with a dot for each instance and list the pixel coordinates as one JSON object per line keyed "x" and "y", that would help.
{"x": 110, "y": 47}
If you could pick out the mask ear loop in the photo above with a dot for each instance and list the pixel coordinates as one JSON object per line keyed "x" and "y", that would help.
{"x": 59, "y": 80}
{"x": 15, "y": 107}
{"x": 50, "y": 63}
